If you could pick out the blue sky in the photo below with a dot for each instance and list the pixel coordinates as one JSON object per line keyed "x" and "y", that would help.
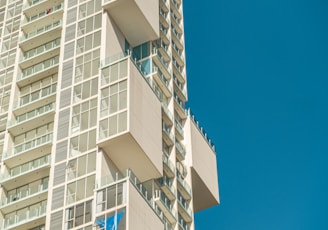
{"x": 257, "y": 80}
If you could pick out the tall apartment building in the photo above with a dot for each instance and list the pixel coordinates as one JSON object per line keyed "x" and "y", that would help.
{"x": 93, "y": 129}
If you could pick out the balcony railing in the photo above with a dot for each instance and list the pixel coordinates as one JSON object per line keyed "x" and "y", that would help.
{"x": 161, "y": 76}
{"x": 182, "y": 223}
{"x": 162, "y": 60}
{"x": 184, "y": 184}
{"x": 41, "y": 30}
{"x": 39, "y": 141}
{"x": 45, "y": 92}
{"x": 181, "y": 104}
{"x": 208, "y": 140}
{"x": 41, "y": 49}
{"x": 178, "y": 51}
{"x": 38, "y": 68}
{"x": 42, "y": 14}
{"x": 179, "y": 128}
{"x": 24, "y": 193}
{"x": 167, "y": 112}
{"x": 168, "y": 163}
{"x": 32, "y": 3}
{"x": 180, "y": 148}
{"x": 185, "y": 206}
{"x": 24, "y": 217}
{"x": 167, "y": 130}
{"x": 32, "y": 114}
{"x": 26, "y": 168}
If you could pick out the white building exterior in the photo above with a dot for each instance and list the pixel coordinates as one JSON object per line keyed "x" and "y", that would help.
{"x": 93, "y": 127}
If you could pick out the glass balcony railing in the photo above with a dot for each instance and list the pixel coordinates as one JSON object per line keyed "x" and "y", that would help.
{"x": 162, "y": 60}
{"x": 38, "y": 68}
{"x": 161, "y": 76}
{"x": 178, "y": 51}
{"x": 179, "y": 68}
{"x": 41, "y": 30}
{"x": 166, "y": 202}
{"x": 167, "y": 112}
{"x": 180, "y": 148}
{"x": 32, "y": 114}
{"x": 167, "y": 130}
{"x": 41, "y": 49}
{"x": 168, "y": 163}
{"x": 39, "y": 141}
{"x": 179, "y": 128}
{"x": 177, "y": 34}
{"x": 24, "y": 194}
{"x": 32, "y": 213}
{"x": 208, "y": 140}
{"x": 42, "y": 14}
{"x": 179, "y": 85}
{"x": 164, "y": 15}
{"x": 26, "y": 168}
{"x": 184, "y": 184}
{"x": 166, "y": 4}
{"x": 184, "y": 205}
{"x": 182, "y": 223}
{"x": 28, "y": 99}
{"x": 181, "y": 104}
{"x": 177, "y": 6}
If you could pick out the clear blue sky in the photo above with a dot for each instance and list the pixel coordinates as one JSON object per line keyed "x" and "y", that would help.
{"x": 257, "y": 79}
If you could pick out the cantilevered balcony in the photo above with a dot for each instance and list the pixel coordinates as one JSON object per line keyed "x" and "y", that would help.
{"x": 26, "y": 218}
{"x": 164, "y": 34}
{"x": 162, "y": 82}
{"x": 142, "y": 13}
{"x": 22, "y": 153}
{"x": 183, "y": 187}
{"x": 183, "y": 225}
{"x": 38, "y": 71}
{"x": 134, "y": 139}
{"x": 45, "y": 34}
{"x": 164, "y": 18}
{"x": 176, "y": 22}
{"x": 140, "y": 200}
{"x": 168, "y": 166}
{"x": 24, "y": 197}
{"x": 184, "y": 209}
{"x": 178, "y": 54}
{"x": 176, "y": 7}
{"x": 41, "y": 18}
{"x": 32, "y": 119}
{"x": 163, "y": 48}
{"x": 166, "y": 206}
{"x": 164, "y": 5}
{"x": 38, "y": 54}
{"x": 203, "y": 166}
{"x": 167, "y": 187}
{"x": 26, "y": 173}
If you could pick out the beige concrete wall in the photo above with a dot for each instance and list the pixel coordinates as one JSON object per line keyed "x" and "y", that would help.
{"x": 151, "y": 12}
{"x": 145, "y": 117}
{"x": 202, "y": 158}
{"x": 114, "y": 39}
{"x": 141, "y": 215}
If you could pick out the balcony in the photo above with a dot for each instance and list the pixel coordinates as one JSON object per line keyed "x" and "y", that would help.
{"x": 160, "y": 62}
{"x": 167, "y": 135}
{"x": 180, "y": 91}
{"x": 178, "y": 55}
{"x": 168, "y": 167}
{"x": 179, "y": 107}
{"x": 45, "y": 34}
{"x": 23, "y": 198}
{"x": 167, "y": 187}
{"x": 141, "y": 13}
{"x": 163, "y": 48}
{"x": 40, "y": 18}
{"x": 139, "y": 143}
{"x": 183, "y": 187}
{"x": 162, "y": 82}
{"x": 176, "y": 8}
{"x": 165, "y": 205}
{"x": 140, "y": 200}
{"x": 38, "y": 71}
{"x": 177, "y": 38}
{"x": 180, "y": 150}
{"x": 26, "y": 173}
{"x": 203, "y": 166}
{"x": 40, "y": 53}
{"x": 165, "y": 36}
{"x": 167, "y": 115}
{"x": 179, "y": 131}
{"x": 183, "y": 224}
{"x": 176, "y": 22}
{"x": 21, "y": 153}
{"x": 32, "y": 119}
{"x": 164, "y": 19}
{"x": 32, "y": 102}
{"x": 178, "y": 70}
{"x": 184, "y": 209}
{"x": 34, "y": 216}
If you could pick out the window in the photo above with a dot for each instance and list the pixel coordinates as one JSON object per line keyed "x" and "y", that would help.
{"x": 78, "y": 215}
